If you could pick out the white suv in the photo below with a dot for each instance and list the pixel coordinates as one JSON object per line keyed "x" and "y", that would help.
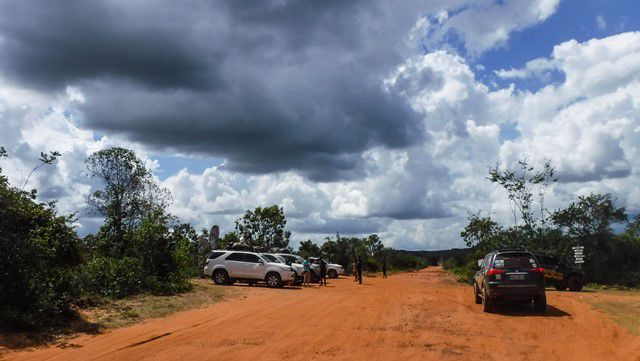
{"x": 227, "y": 267}
{"x": 297, "y": 267}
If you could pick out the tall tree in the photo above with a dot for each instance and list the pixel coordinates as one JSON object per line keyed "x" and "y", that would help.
{"x": 588, "y": 222}
{"x": 308, "y": 249}
{"x": 522, "y": 185}
{"x": 129, "y": 194}
{"x": 263, "y": 228}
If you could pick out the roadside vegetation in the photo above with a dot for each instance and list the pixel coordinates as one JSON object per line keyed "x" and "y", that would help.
{"x": 50, "y": 277}
{"x": 610, "y": 257}
{"x": 343, "y": 250}
{"x": 47, "y": 270}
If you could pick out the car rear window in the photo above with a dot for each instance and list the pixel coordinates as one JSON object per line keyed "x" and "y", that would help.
{"x": 236, "y": 257}
{"x": 515, "y": 261}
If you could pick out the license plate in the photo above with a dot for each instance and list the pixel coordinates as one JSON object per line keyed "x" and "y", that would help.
{"x": 516, "y": 277}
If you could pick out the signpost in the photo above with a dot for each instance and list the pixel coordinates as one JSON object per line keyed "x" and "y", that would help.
{"x": 578, "y": 254}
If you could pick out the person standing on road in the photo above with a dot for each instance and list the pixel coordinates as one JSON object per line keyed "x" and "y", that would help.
{"x": 306, "y": 272}
{"x": 354, "y": 268}
{"x": 323, "y": 272}
{"x": 384, "y": 268}
{"x": 359, "y": 270}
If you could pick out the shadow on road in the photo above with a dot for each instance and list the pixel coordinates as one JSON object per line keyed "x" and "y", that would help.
{"x": 69, "y": 326}
{"x": 264, "y": 285}
{"x": 526, "y": 309}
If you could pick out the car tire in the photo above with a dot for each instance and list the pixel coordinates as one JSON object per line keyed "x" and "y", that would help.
{"x": 273, "y": 280}
{"x": 313, "y": 277}
{"x": 220, "y": 277}
{"x": 333, "y": 274}
{"x": 540, "y": 303}
{"x": 487, "y": 303}
{"x": 560, "y": 286}
{"x": 477, "y": 294}
{"x": 575, "y": 283}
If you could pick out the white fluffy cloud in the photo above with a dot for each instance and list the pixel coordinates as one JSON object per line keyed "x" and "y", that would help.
{"x": 485, "y": 24}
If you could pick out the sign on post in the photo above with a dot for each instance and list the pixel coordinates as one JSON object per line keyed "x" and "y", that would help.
{"x": 578, "y": 254}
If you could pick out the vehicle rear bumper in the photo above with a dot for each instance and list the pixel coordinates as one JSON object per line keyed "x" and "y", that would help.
{"x": 515, "y": 291}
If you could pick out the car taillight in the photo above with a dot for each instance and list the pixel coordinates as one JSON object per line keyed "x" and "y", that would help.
{"x": 537, "y": 270}
{"x": 494, "y": 271}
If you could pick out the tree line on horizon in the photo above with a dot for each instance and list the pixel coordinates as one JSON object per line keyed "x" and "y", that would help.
{"x": 46, "y": 268}
{"x": 610, "y": 257}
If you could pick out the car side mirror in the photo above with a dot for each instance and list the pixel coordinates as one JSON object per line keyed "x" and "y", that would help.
{"x": 480, "y": 263}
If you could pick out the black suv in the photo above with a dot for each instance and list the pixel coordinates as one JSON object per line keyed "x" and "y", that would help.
{"x": 560, "y": 275}
{"x": 510, "y": 275}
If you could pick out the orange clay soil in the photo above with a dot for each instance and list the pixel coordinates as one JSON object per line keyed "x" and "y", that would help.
{"x": 410, "y": 316}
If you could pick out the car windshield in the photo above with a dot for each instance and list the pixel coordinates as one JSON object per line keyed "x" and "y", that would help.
{"x": 515, "y": 261}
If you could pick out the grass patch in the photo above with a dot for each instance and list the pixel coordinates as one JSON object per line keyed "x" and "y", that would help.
{"x": 95, "y": 316}
{"x": 624, "y": 313}
{"x": 120, "y": 313}
{"x": 601, "y": 287}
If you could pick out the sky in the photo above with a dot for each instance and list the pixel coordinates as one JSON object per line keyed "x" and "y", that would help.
{"x": 356, "y": 117}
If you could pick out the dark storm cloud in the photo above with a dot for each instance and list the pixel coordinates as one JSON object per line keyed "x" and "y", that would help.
{"x": 268, "y": 85}
{"x": 54, "y": 44}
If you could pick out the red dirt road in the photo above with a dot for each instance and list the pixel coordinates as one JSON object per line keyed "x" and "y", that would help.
{"x": 423, "y": 315}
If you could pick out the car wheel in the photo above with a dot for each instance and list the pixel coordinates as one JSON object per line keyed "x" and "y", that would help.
{"x": 487, "y": 304}
{"x": 560, "y": 286}
{"x": 220, "y": 277}
{"x": 575, "y": 283}
{"x": 333, "y": 273}
{"x": 540, "y": 303}
{"x": 313, "y": 277}
{"x": 273, "y": 280}
{"x": 477, "y": 294}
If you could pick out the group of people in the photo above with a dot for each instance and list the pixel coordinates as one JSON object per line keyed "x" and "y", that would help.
{"x": 357, "y": 271}
{"x": 306, "y": 272}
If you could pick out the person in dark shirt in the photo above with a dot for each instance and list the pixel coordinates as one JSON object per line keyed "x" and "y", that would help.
{"x": 359, "y": 265}
{"x": 323, "y": 272}
{"x": 384, "y": 268}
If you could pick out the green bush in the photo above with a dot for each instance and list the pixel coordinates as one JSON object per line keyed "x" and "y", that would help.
{"x": 39, "y": 257}
{"x": 462, "y": 266}
{"x": 112, "y": 277}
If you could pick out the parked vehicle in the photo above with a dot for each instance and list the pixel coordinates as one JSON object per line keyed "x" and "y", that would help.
{"x": 297, "y": 267}
{"x": 228, "y": 267}
{"x": 560, "y": 275}
{"x": 294, "y": 259}
{"x": 334, "y": 270}
{"x": 509, "y": 276}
